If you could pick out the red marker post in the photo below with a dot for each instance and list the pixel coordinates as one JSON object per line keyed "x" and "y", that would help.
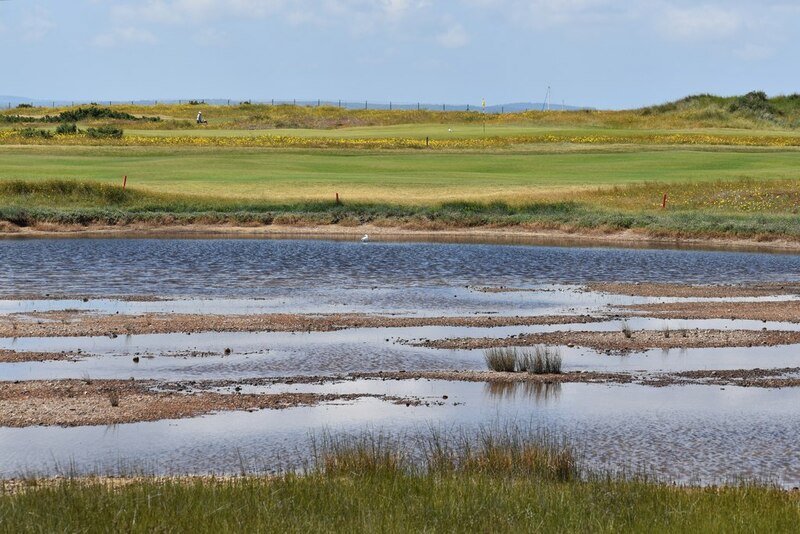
{"x": 124, "y": 181}
{"x": 664, "y": 202}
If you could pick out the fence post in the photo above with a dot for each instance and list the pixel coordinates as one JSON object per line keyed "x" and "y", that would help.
{"x": 390, "y": 105}
{"x": 366, "y": 104}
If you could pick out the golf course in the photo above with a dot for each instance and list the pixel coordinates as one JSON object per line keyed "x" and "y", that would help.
{"x": 702, "y": 167}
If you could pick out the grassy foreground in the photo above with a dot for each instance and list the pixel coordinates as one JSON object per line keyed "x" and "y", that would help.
{"x": 498, "y": 485}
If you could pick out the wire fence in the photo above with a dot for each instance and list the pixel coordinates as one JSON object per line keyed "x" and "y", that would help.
{"x": 344, "y": 104}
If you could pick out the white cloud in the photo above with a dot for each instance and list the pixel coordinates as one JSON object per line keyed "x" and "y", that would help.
{"x": 121, "y": 36}
{"x": 36, "y": 24}
{"x": 455, "y": 37}
{"x": 700, "y": 22}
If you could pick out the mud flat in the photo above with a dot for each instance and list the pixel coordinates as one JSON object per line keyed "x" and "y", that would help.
{"x": 107, "y": 402}
{"x": 12, "y": 356}
{"x": 782, "y": 311}
{"x": 638, "y": 341}
{"x": 696, "y": 291}
{"x": 80, "y": 324}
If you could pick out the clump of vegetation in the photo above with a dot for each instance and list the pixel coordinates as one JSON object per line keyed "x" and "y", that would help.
{"x": 626, "y": 330}
{"x": 540, "y": 360}
{"x": 196, "y": 102}
{"x": 105, "y": 132}
{"x": 501, "y": 359}
{"x": 67, "y": 128}
{"x": 24, "y": 106}
{"x": 489, "y": 451}
{"x": 755, "y": 102}
{"x": 113, "y": 397}
{"x": 35, "y": 133}
{"x": 91, "y": 113}
{"x": 546, "y": 360}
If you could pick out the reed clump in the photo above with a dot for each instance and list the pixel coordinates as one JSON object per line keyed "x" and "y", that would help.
{"x": 538, "y": 360}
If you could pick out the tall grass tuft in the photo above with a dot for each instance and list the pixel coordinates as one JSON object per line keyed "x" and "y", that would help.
{"x": 488, "y": 451}
{"x": 540, "y": 360}
{"x": 546, "y": 360}
{"x": 626, "y": 330}
{"x": 502, "y": 359}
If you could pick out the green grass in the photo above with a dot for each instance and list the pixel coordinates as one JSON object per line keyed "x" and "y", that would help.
{"x": 511, "y": 482}
{"x": 384, "y": 177}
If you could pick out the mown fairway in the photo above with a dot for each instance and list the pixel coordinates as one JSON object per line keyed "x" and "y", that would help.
{"x": 409, "y": 177}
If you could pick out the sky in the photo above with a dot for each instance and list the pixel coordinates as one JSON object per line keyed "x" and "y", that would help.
{"x": 608, "y": 54}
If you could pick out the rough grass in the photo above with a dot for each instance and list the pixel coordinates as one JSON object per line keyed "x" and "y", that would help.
{"x": 508, "y": 482}
{"x": 27, "y": 203}
{"x": 698, "y": 111}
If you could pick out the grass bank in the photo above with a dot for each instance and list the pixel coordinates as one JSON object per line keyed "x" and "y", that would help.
{"x": 26, "y": 204}
{"x": 506, "y": 483}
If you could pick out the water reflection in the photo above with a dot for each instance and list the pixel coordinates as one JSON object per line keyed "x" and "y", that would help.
{"x": 538, "y": 392}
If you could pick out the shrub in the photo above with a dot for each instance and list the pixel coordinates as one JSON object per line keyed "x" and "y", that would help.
{"x": 105, "y": 132}
{"x": 23, "y": 106}
{"x": 66, "y": 128}
{"x": 32, "y": 133}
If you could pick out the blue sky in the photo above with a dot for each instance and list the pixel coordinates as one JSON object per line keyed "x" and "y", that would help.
{"x": 600, "y": 53}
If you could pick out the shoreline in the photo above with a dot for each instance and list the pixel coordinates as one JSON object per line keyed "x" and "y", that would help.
{"x": 597, "y": 237}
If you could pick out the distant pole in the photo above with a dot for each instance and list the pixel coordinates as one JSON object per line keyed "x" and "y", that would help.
{"x": 417, "y": 106}
{"x": 664, "y": 202}
{"x": 390, "y": 105}
{"x": 444, "y": 106}
{"x": 366, "y": 104}
{"x": 483, "y": 103}
{"x": 319, "y": 102}
{"x": 124, "y": 181}
{"x": 340, "y": 102}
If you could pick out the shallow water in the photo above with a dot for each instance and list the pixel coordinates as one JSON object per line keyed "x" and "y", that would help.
{"x": 260, "y": 268}
{"x": 270, "y": 354}
{"x": 687, "y": 433}
{"x": 695, "y": 434}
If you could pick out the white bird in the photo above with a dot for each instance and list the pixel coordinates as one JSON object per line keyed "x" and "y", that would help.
{"x": 365, "y": 238}
{"x": 449, "y": 129}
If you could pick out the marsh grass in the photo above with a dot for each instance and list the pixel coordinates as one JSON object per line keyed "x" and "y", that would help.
{"x": 626, "y": 330}
{"x": 538, "y": 360}
{"x": 546, "y": 360}
{"x": 484, "y": 481}
{"x": 502, "y": 359}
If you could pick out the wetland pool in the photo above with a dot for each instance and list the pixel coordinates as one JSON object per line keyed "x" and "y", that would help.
{"x": 686, "y": 433}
